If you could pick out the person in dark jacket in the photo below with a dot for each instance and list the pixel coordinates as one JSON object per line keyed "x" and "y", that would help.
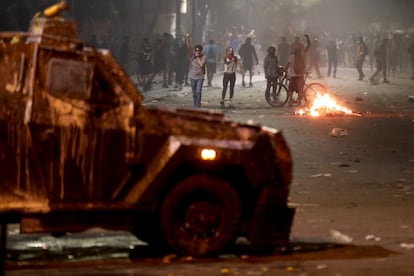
{"x": 296, "y": 69}
{"x": 283, "y": 50}
{"x": 332, "y": 58}
{"x": 211, "y": 52}
{"x": 362, "y": 52}
{"x": 247, "y": 52}
{"x": 271, "y": 68}
{"x": 380, "y": 55}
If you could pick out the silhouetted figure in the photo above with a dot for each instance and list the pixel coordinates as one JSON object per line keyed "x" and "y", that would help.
{"x": 247, "y": 52}
{"x": 362, "y": 52}
{"x": 296, "y": 69}
{"x": 332, "y": 58}
{"x": 145, "y": 72}
{"x": 160, "y": 61}
{"x": 283, "y": 50}
{"x": 181, "y": 62}
{"x": 211, "y": 53}
{"x": 270, "y": 68}
{"x": 380, "y": 55}
{"x": 315, "y": 57}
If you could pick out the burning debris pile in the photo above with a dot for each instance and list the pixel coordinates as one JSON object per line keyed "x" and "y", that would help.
{"x": 324, "y": 105}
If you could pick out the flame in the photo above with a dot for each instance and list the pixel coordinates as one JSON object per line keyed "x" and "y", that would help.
{"x": 323, "y": 104}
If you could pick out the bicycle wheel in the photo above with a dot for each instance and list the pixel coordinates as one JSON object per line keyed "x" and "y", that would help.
{"x": 277, "y": 96}
{"x": 313, "y": 89}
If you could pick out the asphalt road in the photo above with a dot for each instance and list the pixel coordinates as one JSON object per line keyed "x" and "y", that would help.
{"x": 354, "y": 194}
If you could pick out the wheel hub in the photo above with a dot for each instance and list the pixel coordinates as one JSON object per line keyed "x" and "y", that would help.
{"x": 202, "y": 219}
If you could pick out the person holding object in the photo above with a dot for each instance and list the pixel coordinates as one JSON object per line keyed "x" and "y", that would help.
{"x": 231, "y": 61}
{"x": 197, "y": 70}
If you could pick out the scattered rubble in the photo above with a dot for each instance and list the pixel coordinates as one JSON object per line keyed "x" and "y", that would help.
{"x": 340, "y": 238}
{"x": 339, "y": 132}
{"x": 407, "y": 246}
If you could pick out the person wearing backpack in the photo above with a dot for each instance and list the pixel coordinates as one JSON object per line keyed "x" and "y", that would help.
{"x": 296, "y": 69}
{"x": 211, "y": 53}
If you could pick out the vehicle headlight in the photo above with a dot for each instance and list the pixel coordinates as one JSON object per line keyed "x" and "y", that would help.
{"x": 208, "y": 154}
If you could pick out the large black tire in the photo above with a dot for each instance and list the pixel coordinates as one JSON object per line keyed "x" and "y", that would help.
{"x": 277, "y": 97}
{"x": 200, "y": 216}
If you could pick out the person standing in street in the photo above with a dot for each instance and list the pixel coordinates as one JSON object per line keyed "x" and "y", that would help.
{"x": 247, "y": 52}
{"x": 315, "y": 57}
{"x": 181, "y": 61}
{"x": 197, "y": 70}
{"x": 362, "y": 52}
{"x": 229, "y": 77}
{"x": 160, "y": 62}
{"x": 211, "y": 53}
{"x": 270, "y": 68}
{"x": 380, "y": 55}
{"x": 145, "y": 72}
{"x": 332, "y": 58}
{"x": 283, "y": 50}
{"x": 296, "y": 69}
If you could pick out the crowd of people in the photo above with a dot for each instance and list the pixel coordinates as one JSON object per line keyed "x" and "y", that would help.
{"x": 173, "y": 60}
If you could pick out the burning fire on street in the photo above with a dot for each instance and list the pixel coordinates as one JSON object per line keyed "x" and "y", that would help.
{"x": 323, "y": 105}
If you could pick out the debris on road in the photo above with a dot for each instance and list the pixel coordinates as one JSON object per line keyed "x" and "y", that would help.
{"x": 322, "y": 174}
{"x": 371, "y": 237}
{"x": 321, "y": 266}
{"x": 340, "y": 238}
{"x": 339, "y": 132}
{"x": 407, "y": 246}
{"x": 352, "y": 171}
{"x": 340, "y": 164}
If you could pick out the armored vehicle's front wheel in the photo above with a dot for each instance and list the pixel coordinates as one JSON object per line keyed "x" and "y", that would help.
{"x": 201, "y": 215}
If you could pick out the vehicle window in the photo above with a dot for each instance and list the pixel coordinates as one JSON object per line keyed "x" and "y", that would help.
{"x": 68, "y": 78}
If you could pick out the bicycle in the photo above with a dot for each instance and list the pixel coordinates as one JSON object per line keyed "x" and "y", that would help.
{"x": 277, "y": 94}
{"x": 310, "y": 91}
